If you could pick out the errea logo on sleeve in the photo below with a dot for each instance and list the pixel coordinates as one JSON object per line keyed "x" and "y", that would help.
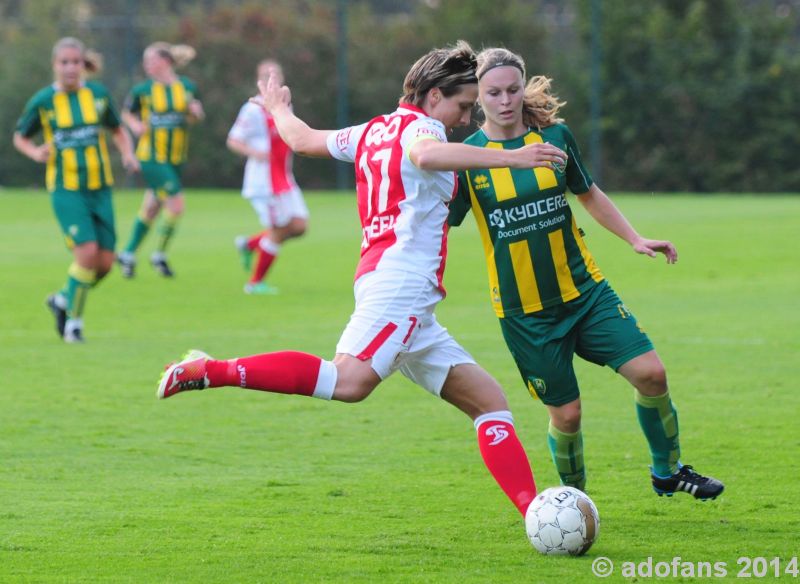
{"x": 481, "y": 181}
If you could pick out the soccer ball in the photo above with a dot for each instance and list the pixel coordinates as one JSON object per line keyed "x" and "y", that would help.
{"x": 561, "y": 521}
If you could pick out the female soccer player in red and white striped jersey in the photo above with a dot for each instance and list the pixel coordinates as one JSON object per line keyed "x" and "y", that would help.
{"x": 404, "y": 182}
{"x": 269, "y": 185}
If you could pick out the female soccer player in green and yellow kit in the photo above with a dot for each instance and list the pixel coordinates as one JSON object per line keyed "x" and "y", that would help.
{"x": 158, "y": 111}
{"x": 552, "y": 300}
{"x": 71, "y": 114}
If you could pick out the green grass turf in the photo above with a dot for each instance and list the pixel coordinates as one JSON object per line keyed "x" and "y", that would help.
{"x": 99, "y": 481}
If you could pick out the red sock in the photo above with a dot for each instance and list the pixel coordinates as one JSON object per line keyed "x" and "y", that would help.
{"x": 265, "y": 260}
{"x": 505, "y": 458}
{"x": 252, "y": 243}
{"x": 283, "y": 372}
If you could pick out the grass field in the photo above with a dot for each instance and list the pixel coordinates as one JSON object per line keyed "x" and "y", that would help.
{"x": 101, "y": 482}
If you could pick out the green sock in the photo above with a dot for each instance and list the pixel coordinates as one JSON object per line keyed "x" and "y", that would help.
{"x": 166, "y": 231}
{"x": 140, "y": 229}
{"x": 79, "y": 281}
{"x": 659, "y": 421}
{"x": 567, "y": 452}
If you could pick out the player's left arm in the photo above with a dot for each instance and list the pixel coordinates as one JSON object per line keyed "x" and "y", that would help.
{"x": 195, "y": 110}
{"x": 606, "y": 213}
{"x": 122, "y": 139}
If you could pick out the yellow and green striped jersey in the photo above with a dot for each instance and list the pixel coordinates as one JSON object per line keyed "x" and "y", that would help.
{"x": 72, "y": 122}
{"x": 164, "y": 108}
{"x": 535, "y": 253}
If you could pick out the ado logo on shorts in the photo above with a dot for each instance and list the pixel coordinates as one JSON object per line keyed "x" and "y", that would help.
{"x": 536, "y": 387}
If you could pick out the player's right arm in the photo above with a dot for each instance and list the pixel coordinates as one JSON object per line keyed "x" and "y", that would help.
{"x": 243, "y": 149}
{"x": 242, "y": 137}
{"x": 431, "y": 154}
{"x": 37, "y": 153}
{"x": 298, "y": 135}
{"x": 29, "y": 125}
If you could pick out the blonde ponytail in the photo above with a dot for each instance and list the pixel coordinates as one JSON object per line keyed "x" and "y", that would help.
{"x": 182, "y": 54}
{"x": 177, "y": 55}
{"x": 92, "y": 62}
{"x": 539, "y": 106}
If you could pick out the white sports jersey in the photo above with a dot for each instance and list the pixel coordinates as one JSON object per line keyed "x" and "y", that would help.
{"x": 403, "y": 209}
{"x": 251, "y": 128}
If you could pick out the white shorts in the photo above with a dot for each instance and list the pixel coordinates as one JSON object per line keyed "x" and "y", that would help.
{"x": 279, "y": 210}
{"x": 393, "y": 324}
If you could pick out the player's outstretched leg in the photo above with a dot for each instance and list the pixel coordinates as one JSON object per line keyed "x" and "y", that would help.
{"x": 288, "y": 372}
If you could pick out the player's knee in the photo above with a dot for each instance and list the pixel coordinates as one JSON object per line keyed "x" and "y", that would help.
{"x": 354, "y": 383}
{"x": 175, "y": 209}
{"x": 567, "y": 418}
{"x": 653, "y": 380}
{"x": 352, "y": 393}
{"x": 149, "y": 212}
{"x": 299, "y": 228}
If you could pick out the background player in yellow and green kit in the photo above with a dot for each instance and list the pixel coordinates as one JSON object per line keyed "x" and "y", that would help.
{"x": 551, "y": 298}
{"x": 158, "y": 112}
{"x": 71, "y": 114}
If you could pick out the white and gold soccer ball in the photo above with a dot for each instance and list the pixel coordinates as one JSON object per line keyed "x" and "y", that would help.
{"x": 562, "y": 521}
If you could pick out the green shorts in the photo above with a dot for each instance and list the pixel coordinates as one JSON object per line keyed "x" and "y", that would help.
{"x": 163, "y": 179}
{"x": 85, "y": 216}
{"x": 596, "y": 326}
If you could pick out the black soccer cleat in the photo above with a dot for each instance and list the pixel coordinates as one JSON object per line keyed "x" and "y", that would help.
{"x": 688, "y": 481}
{"x": 127, "y": 266}
{"x": 162, "y": 267}
{"x": 59, "y": 313}
{"x": 74, "y": 335}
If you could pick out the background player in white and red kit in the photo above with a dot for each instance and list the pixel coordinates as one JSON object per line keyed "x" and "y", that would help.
{"x": 404, "y": 176}
{"x": 268, "y": 184}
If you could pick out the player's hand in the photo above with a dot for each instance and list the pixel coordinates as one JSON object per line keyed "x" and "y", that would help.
{"x": 652, "y": 247}
{"x": 196, "y": 110}
{"x": 272, "y": 95}
{"x": 131, "y": 163}
{"x": 137, "y": 127}
{"x": 41, "y": 153}
{"x": 541, "y": 154}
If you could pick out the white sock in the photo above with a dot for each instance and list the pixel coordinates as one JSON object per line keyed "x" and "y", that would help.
{"x": 326, "y": 382}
